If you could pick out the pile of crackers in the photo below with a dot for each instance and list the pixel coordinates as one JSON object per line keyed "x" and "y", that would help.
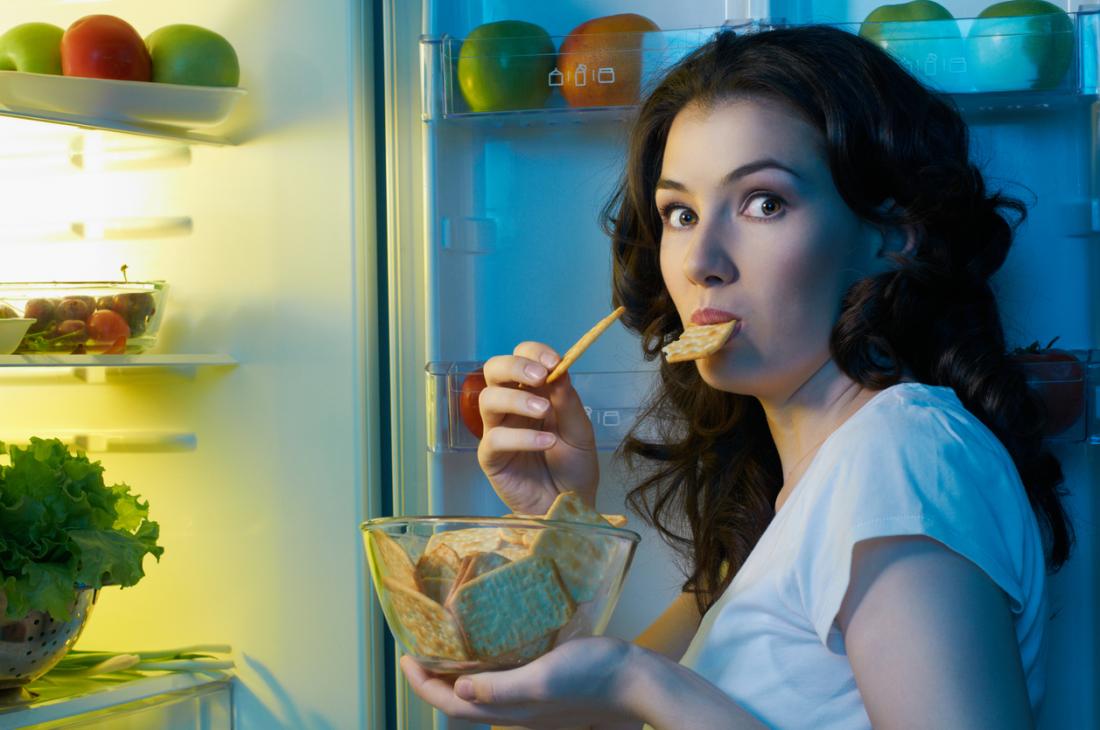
{"x": 493, "y": 594}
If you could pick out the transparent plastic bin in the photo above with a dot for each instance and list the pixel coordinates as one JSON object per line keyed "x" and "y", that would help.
{"x": 85, "y": 316}
{"x": 1064, "y": 386}
{"x": 612, "y": 400}
{"x": 205, "y": 707}
{"x": 1052, "y": 53}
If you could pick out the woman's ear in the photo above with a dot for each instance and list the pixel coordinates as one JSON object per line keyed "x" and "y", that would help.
{"x": 896, "y": 238}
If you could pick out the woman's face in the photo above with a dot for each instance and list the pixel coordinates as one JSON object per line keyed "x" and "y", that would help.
{"x": 774, "y": 248}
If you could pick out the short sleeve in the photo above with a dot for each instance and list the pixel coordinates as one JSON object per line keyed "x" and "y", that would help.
{"x": 923, "y": 470}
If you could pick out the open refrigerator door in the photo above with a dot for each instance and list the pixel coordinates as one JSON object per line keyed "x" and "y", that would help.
{"x": 494, "y": 239}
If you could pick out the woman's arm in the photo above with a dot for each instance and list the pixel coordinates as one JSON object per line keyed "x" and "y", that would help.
{"x": 583, "y": 681}
{"x": 930, "y": 639}
{"x": 672, "y": 632}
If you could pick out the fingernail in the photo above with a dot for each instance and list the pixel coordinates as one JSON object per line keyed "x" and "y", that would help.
{"x": 537, "y": 404}
{"x": 548, "y": 360}
{"x": 464, "y": 688}
{"x": 545, "y": 439}
{"x": 534, "y": 371}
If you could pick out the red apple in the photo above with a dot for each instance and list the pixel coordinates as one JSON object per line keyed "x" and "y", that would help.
{"x": 601, "y": 60}
{"x": 104, "y": 47}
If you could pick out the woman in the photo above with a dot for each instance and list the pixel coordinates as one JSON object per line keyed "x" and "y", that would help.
{"x": 856, "y": 478}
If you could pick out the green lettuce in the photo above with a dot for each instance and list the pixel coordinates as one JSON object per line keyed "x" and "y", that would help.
{"x": 61, "y": 527}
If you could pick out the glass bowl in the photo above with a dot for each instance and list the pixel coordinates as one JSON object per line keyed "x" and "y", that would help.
{"x": 115, "y": 317}
{"x": 470, "y": 594}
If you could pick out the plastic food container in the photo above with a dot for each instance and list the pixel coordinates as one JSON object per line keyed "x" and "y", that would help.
{"x": 467, "y": 594}
{"x": 112, "y": 317}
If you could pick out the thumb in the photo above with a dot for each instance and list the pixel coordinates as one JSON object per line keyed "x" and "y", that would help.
{"x": 490, "y": 688}
{"x": 573, "y": 424}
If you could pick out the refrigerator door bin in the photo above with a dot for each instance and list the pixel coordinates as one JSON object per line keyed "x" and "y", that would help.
{"x": 1053, "y": 55}
{"x": 612, "y": 401}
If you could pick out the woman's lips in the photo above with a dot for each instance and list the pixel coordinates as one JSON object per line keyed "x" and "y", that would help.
{"x": 711, "y": 316}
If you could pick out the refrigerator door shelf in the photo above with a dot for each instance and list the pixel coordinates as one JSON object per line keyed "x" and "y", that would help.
{"x": 612, "y": 401}
{"x": 1063, "y": 382}
{"x": 1037, "y": 61}
{"x": 1092, "y": 400}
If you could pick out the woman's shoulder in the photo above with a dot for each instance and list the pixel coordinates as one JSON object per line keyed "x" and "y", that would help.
{"x": 914, "y": 442}
{"x": 914, "y": 416}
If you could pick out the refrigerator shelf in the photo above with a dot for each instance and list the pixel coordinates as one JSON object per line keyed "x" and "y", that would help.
{"x": 98, "y": 369}
{"x": 984, "y": 64}
{"x": 132, "y": 699}
{"x": 142, "y": 107}
{"x": 114, "y": 441}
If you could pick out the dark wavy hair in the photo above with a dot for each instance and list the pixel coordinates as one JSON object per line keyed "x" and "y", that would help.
{"x": 710, "y": 463}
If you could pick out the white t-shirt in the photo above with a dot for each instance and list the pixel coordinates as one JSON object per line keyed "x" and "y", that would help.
{"x": 911, "y": 461}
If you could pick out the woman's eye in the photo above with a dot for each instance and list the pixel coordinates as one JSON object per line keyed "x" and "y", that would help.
{"x": 678, "y": 216}
{"x": 768, "y": 205}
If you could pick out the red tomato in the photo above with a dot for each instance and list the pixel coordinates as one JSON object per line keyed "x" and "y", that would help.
{"x": 1058, "y": 377}
{"x": 468, "y": 408}
{"x": 105, "y": 47}
{"x": 105, "y": 326}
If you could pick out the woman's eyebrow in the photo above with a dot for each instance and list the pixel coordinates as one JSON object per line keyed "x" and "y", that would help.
{"x": 747, "y": 169}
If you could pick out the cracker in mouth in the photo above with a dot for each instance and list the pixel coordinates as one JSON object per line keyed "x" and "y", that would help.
{"x": 699, "y": 341}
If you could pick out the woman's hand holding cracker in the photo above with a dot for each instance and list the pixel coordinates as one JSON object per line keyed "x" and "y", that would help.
{"x": 538, "y": 440}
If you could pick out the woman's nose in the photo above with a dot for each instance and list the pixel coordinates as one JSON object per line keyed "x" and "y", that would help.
{"x": 707, "y": 259}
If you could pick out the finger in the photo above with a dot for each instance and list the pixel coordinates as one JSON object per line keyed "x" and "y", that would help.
{"x": 441, "y": 695}
{"x": 537, "y": 352}
{"x": 500, "y": 444}
{"x": 500, "y": 688}
{"x": 510, "y": 369}
{"x": 496, "y": 403}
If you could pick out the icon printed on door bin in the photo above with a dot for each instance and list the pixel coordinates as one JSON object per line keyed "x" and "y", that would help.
{"x": 606, "y": 75}
{"x": 557, "y": 78}
{"x": 580, "y": 76}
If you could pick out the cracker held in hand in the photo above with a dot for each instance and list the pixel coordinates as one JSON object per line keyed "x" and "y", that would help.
{"x": 578, "y": 349}
{"x": 699, "y": 341}
{"x": 430, "y": 630}
{"x": 511, "y": 607}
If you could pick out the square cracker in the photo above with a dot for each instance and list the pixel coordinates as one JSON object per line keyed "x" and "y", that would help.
{"x": 581, "y": 560}
{"x": 430, "y": 630}
{"x": 511, "y": 607}
{"x": 699, "y": 341}
{"x": 390, "y": 559}
{"x": 468, "y": 541}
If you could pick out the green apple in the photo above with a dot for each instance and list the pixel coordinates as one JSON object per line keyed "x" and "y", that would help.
{"x": 192, "y": 55}
{"x": 1021, "y": 44}
{"x": 32, "y": 47}
{"x": 923, "y": 37}
{"x": 506, "y": 65}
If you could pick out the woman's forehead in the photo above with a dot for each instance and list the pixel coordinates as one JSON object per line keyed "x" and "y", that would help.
{"x": 734, "y": 132}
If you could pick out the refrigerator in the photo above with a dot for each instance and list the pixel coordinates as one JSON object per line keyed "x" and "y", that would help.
{"x": 348, "y": 245}
{"x": 492, "y": 222}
